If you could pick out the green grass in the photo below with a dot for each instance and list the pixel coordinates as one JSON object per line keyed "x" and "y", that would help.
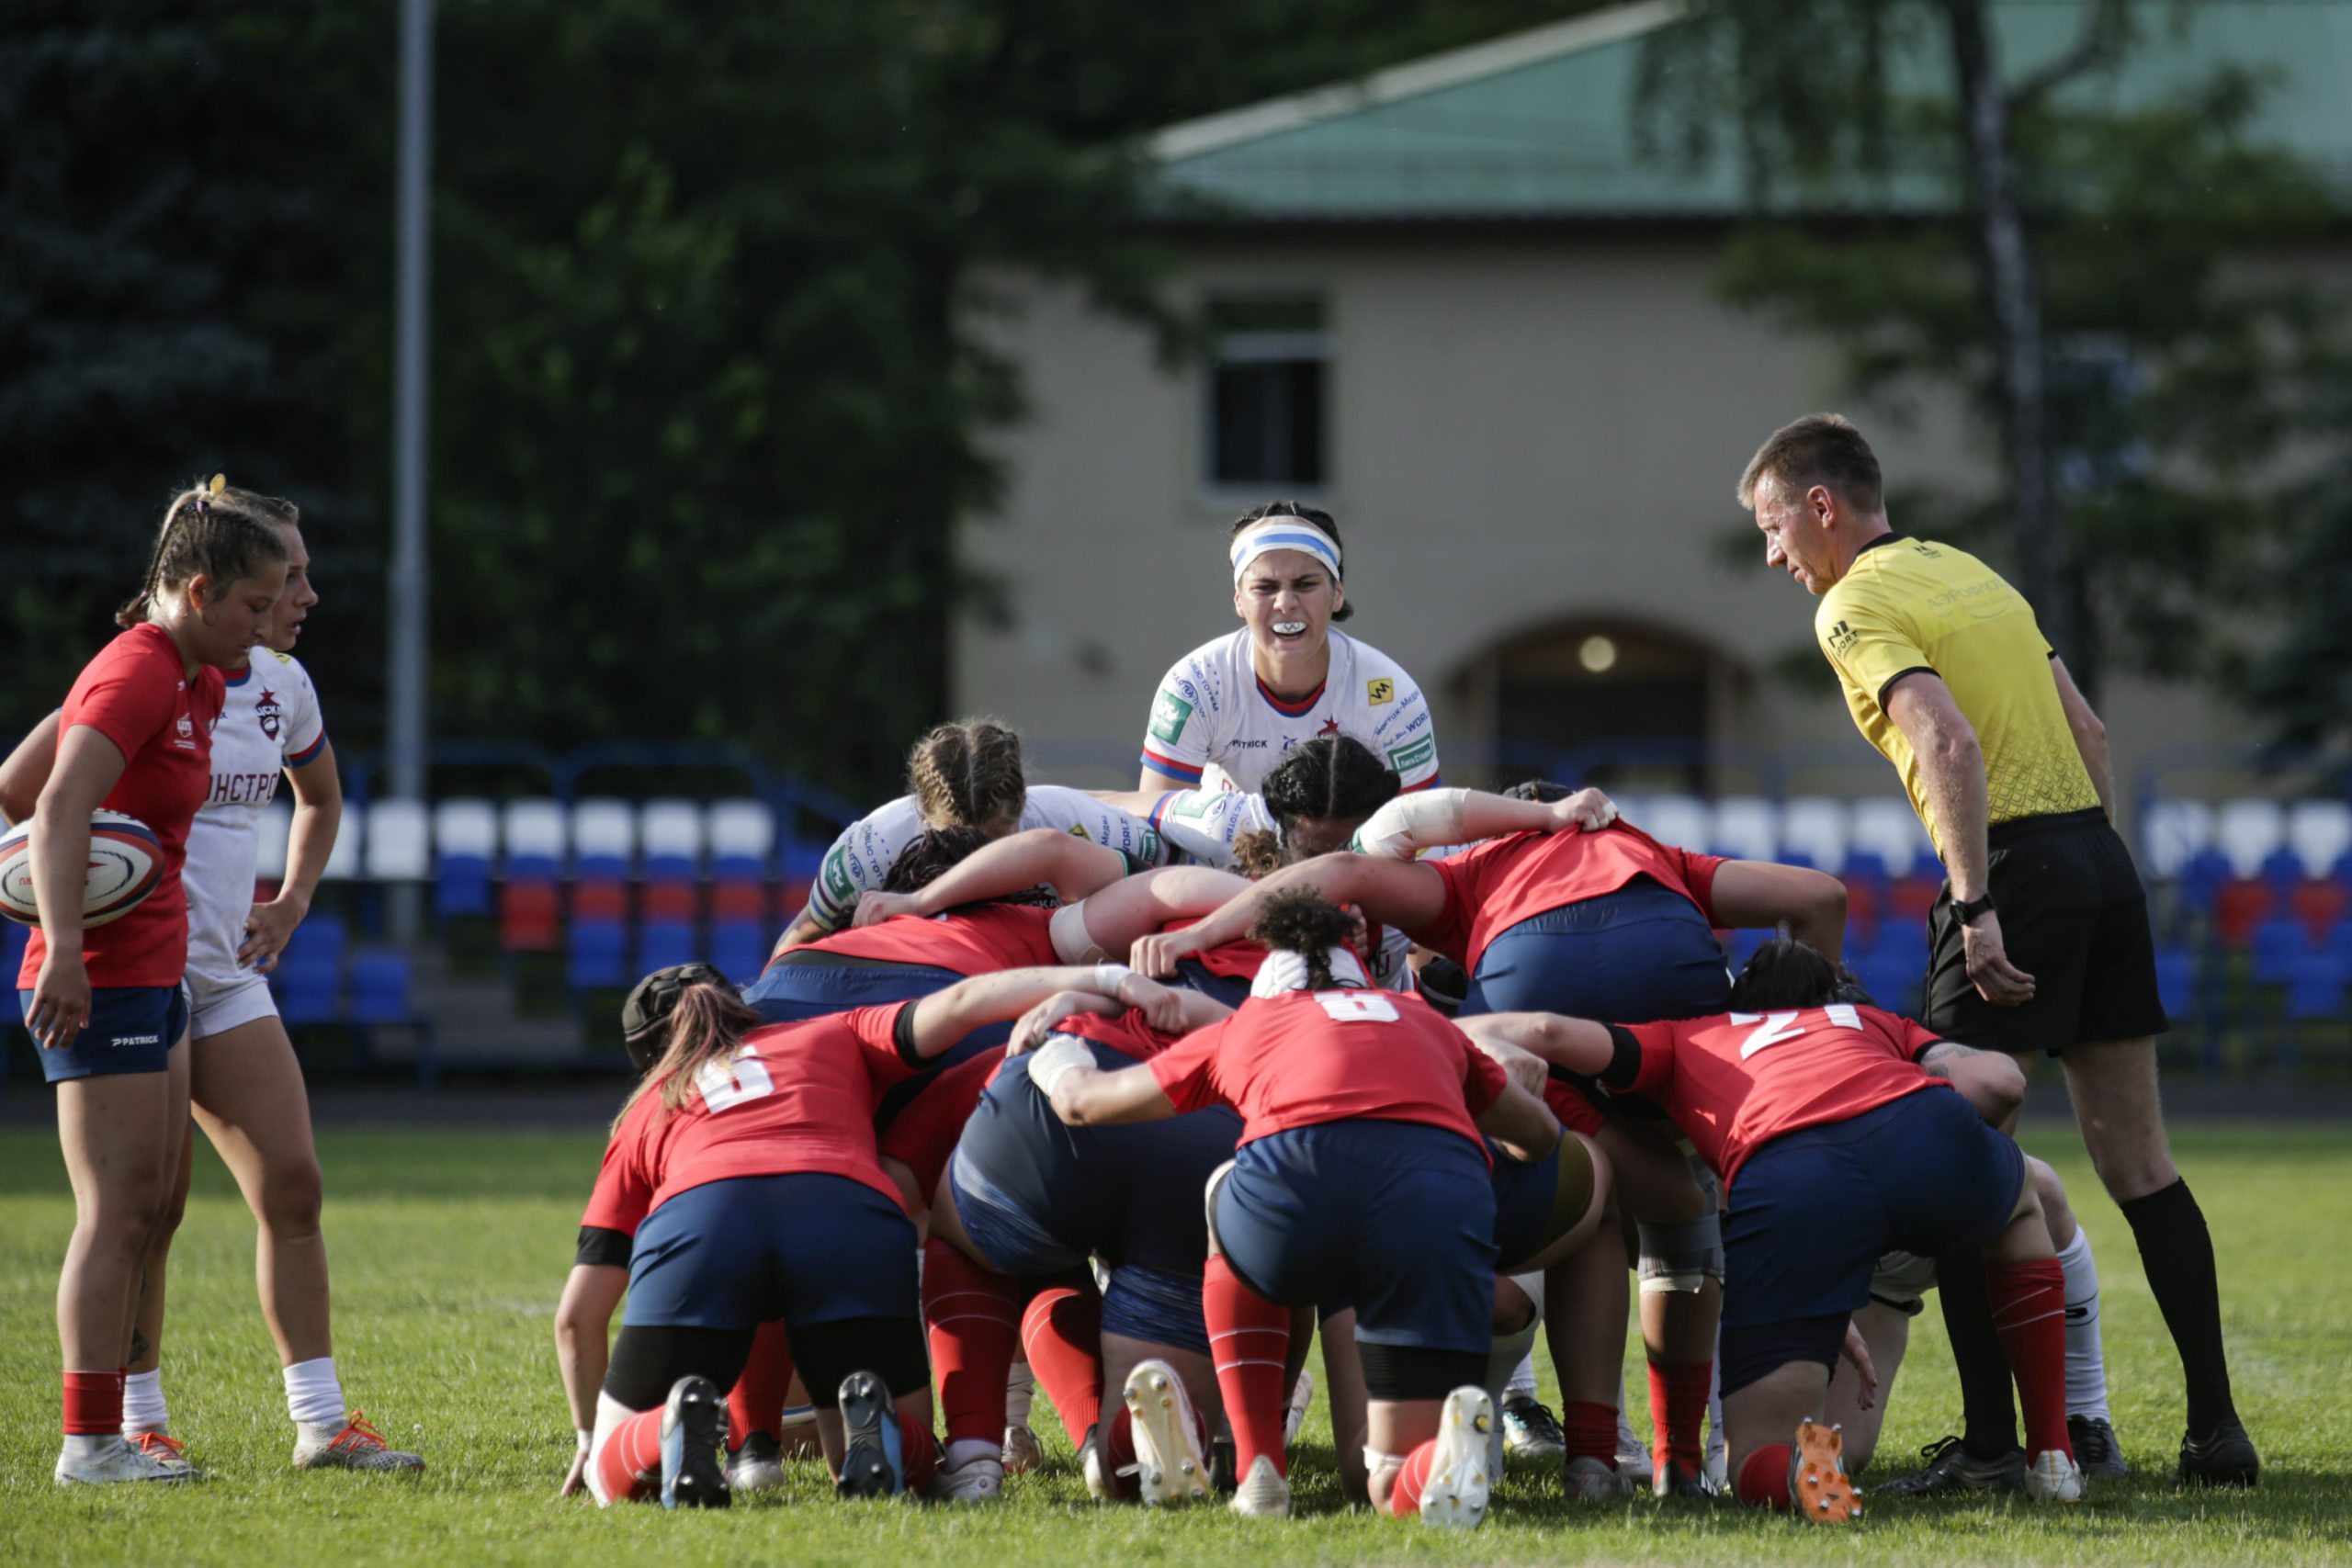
{"x": 449, "y": 1249}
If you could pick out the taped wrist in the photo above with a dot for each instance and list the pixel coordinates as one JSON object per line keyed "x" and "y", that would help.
{"x": 1055, "y": 1059}
{"x": 1413, "y": 822}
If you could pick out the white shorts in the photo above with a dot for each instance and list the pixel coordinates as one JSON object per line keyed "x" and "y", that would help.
{"x": 1902, "y": 1280}
{"x": 217, "y": 1006}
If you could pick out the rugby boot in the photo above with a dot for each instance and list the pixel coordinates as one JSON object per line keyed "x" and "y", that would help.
{"x": 1095, "y": 1466}
{"x": 1170, "y": 1468}
{"x": 164, "y": 1450}
{"x": 1590, "y": 1480}
{"x": 2054, "y": 1477}
{"x": 1222, "y": 1478}
{"x": 1634, "y": 1461}
{"x": 1676, "y": 1481}
{"x": 977, "y": 1480}
{"x": 1455, "y": 1496}
{"x": 757, "y": 1466}
{"x": 1951, "y": 1468}
{"x": 354, "y": 1446}
{"x": 1023, "y": 1451}
{"x": 1818, "y": 1486}
{"x": 115, "y": 1459}
{"x": 2095, "y": 1447}
{"x": 2223, "y": 1457}
{"x": 694, "y": 1429}
{"x": 873, "y": 1460}
{"x": 1530, "y": 1430}
{"x": 1264, "y": 1492}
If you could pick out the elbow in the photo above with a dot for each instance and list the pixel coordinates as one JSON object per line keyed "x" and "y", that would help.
{"x": 2089, "y": 731}
{"x": 1956, "y": 748}
{"x": 1825, "y": 904}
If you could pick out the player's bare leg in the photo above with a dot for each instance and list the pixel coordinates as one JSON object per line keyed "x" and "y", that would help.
{"x": 1782, "y": 1455}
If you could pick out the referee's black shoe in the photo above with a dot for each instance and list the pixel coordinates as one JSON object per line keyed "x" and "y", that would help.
{"x": 2222, "y": 1457}
{"x": 1952, "y": 1469}
{"x": 2095, "y": 1447}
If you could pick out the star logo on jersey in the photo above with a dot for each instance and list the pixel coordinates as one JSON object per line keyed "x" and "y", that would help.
{"x": 1379, "y": 691}
{"x": 267, "y": 713}
{"x": 1330, "y": 726}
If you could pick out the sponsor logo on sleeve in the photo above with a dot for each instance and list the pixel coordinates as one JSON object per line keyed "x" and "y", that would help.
{"x": 1150, "y": 848}
{"x": 1194, "y": 803}
{"x": 833, "y": 876}
{"x": 1413, "y": 755}
{"x": 1379, "y": 691}
{"x": 1170, "y": 714}
{"x": 1842, "y": 639}
{"x": 1078, "y": 831}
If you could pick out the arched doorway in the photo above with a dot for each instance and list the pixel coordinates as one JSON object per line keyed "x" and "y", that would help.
{"x": 1653, "y": 702}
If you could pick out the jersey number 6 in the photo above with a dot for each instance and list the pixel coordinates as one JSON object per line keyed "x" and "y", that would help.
{"x": 726, "y": 1085}
{"x": 1357, "y": 1006}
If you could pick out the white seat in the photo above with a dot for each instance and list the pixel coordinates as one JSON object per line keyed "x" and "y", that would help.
{"x": 670, "y": 830}
{"x": 2246, "y": 831}
{"x": 1889, "y": 829}
{"x": 276, "y": 827}
{"x": 466, "y": 827}
{"x": 742, "y": 829}
{"x": 344, "y": 861}
{"x": 604, "y": 828}
{"x": 1815, "y": 828}
{"x": 1677, "y": 819}
{"x": 1746, "y": 828}
{"x": 533, "y": 828}
{"x": 2173, "y": 833}
{"x": 399, "y": 848}
{"x": 2319, "y": 831}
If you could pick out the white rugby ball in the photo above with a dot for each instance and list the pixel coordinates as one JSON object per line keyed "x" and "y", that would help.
{"x": 126, "y": 862}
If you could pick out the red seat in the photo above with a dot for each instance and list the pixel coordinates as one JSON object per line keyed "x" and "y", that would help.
{"x": 529, "y": 917}
{"x": 1912, "y": 897}
{"x": 670, "y": 899}
{"x": 2319, "y": 903}
{"x": 603, "y": 901}
{"x": 741, "y": 900}
{"x": 2239, "y": 906}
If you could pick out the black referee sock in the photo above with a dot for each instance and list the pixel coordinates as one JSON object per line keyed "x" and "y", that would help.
{"x": 1988, "y": 1407}
{"x": 2177, "y": 1250}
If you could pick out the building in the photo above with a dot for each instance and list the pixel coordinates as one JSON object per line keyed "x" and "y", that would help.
{"x": 1457, "y": 305}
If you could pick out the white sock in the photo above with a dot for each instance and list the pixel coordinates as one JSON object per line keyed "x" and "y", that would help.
{"x": 1020, "y": 1387}
{"x": 1521, "y": 1385}
{"x": 1716, "y": 1450}
{"x": 963, "y": 1450}
{"x": 2085, "y": 1362}
{"x": 89, "y": 1445}
{"x": 142, "y": 1402}
{"x": 314, "y": 1395}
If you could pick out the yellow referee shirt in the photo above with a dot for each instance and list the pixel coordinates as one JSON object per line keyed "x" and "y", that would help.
{"x": 1912, "y": 604}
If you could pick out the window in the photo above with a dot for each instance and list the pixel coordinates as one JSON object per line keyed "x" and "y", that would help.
{"x": 1268, "y": 395}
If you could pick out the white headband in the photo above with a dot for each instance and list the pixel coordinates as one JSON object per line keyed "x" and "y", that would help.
{"x": 1285, "y": 971}
{"x": 1284, "y": 534}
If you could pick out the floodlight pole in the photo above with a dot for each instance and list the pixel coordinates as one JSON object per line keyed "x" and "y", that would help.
{"x": 411, "y": 580}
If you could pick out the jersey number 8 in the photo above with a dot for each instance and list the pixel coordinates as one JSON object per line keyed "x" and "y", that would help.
{"x": 1357, "y": 1006}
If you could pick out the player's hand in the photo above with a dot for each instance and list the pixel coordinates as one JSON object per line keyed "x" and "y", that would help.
{"x": 267, "y": 929}
{"x": 1588, "y": 810}
{"x": 1997, "y": 980}
{"x": 575, "y": 1480}
{"x": 60, "y": 1005}
{"x": 1034, "y": 1026}
{"x": 1528, "y": 1070}
{"x": 1156, "y": 954}
{"x": 873, "y": 909}
{"x": 1859, "y": 1353}
{"x": 1162, "y": 1009}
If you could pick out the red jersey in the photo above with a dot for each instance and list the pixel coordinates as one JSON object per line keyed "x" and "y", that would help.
{"x": 795, "y": 1096}
{"x": 1128, "y": 1033}
{"x": 978, "y": 940}
{"x": 923, "y": 1133}
{"x": 1574, "y": 1106}
{"x": 1307, "y": 1057}
{"x": 1734, "y": 1081}
{"x": 1492, "y": 886}
{"x": 135, "y": 695}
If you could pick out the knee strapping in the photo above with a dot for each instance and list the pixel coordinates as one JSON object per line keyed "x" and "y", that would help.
{"x": 1681, "y": 1260}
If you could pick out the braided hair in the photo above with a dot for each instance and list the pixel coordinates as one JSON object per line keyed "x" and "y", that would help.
{"x": 1330, "y": 778}
{"x": 968, "y": 774}
{"x": 213, "y": 531}
{"x": 1301, "y": 921}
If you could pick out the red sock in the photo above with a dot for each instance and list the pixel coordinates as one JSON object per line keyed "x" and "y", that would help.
{"x": 1765, "y": 1477}
{"x": 756, "y": 1402}
{"x": 1062, "y": 1333}
{"x": 1405, "y": 1501}
{"x": 1679, "y": 1407}
{"x": 1590, "y": 1429}
{"x": 1248, "y": 1338}
{"x": 973, "y": 1316}
{"x": 92, "y": 1403}
{"x": 2030, "y": 1311}
{"x": 629, "y": 1464}
{"x": 919, "y": 1450}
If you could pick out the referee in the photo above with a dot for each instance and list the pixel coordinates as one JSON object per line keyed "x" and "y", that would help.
{"x": 2039, "y": 939}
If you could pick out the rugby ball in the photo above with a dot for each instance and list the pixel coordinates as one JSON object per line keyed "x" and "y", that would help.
{"x": 126, "y": 862}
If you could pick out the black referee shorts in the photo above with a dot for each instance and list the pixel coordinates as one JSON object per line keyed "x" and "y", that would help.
{"x": 2075, "y": 917}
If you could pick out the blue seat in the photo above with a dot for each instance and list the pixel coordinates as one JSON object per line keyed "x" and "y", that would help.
{"x": 2280, "y": 944}
{"x": 461, "y": 885}
{"x": 2315, "y": 986}
{"x": 599, "y": 867}
{"x": 598, "y": 954}
{"x": 2176, "y": 982}
{"x": 2282, "y": 868}
{"x": 380, "y": 989}
{"x": 1740, "y": 945}
{"x": 740, "y": 949}
{"x": 309, "y": 974}
{"x": 663, "y": 943}
{"x": 2201, "y": 880}
{"x": 670, "y": 868}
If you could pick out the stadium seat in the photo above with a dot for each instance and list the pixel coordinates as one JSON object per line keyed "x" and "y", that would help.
{"x": 1887, "y": 828}
{"x": 670, "y": 838}
{"x": 399, "y": 846}
{"x": 604, "y": 839}
{"x": 2320, "y": 833}
{"x": 309, "y": 975}
{"x": 270, "y": 847}
{"x": 740, "y": 949}
{"x": 2319, "y": 905}
{"x": 600, "y": 900}
{"x": 344, "y": 859}
{"x": 465, "y": 841}
{"x": 661, "y": 943}
{"x": 669, "y": 898}
{"x": 534, "y": 835}
{"x": 2315, "y": 987}
{"x": 741, "y": 837}
{"x": 1739, "y": 945}
{"x": 1678, "y": 819}
{"x": 379, "y": 987}
{"x": 597, "y": 955}
{"x": 2240, "y": 906}
{"x": 801, "y": 864}
{"x": 742, "y": 901}
{"x": 1890, "y": 980}
{"x": 2176, "y": 982}
{"x": 2283, "y": 869}
{"x": 1909, "y": 898}
{"x": 1814, "y": 828}
{"x": 1745, "y": 827}
{"x": 2172, "y": 832}
{"x": 2279, "y": 942}
{"x": 529, "y": 916}
{"x": 2246, "y": 831}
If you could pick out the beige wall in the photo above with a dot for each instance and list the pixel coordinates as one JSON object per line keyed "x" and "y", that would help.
{"x": 1523, "y": 431}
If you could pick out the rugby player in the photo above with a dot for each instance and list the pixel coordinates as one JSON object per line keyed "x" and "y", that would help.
{"x": 2039, "y": 939}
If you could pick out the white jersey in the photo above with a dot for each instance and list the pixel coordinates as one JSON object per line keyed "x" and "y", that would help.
{"x": 1212, "y": 711}
{"x": 860, "y": 859}
{"x": 269, "y": 722}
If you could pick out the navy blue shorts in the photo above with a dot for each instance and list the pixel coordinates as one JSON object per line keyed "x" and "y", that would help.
{"x": 1395, "y": 1217}
{"x": 1037, "y": 1196}
{"x": 131, "y": 1030}
{"x": 1536, "y": 1204}
{"x": 794, "y": 993}
{"x": 1159, "y": 1307}
{"x": 1639, "y": 955}
{"x": 1194, "y": 976}
{"x": 1813, "y": 1211}
{"x": 805, "y": 1246}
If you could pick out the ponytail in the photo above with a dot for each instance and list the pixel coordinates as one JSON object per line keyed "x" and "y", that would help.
{"x": 707, "y": 1022}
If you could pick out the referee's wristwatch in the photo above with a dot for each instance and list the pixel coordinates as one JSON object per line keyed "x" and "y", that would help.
{"x": 1973, "y": 909}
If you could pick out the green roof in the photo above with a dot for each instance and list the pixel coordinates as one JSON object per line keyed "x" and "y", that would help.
{"x": 1542, "y": 124}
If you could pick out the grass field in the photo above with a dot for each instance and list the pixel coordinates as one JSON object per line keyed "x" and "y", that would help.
{"x": 449, "y": 1249}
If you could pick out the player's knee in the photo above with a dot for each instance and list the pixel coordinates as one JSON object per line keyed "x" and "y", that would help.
{"x": 2131, "y": 1162}
{"x": 2055, "y": 1211}
{"x": 291, "y": 1195}
{"x": 1514, "y": 1308}
{"x": 1681, "y": 1260}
